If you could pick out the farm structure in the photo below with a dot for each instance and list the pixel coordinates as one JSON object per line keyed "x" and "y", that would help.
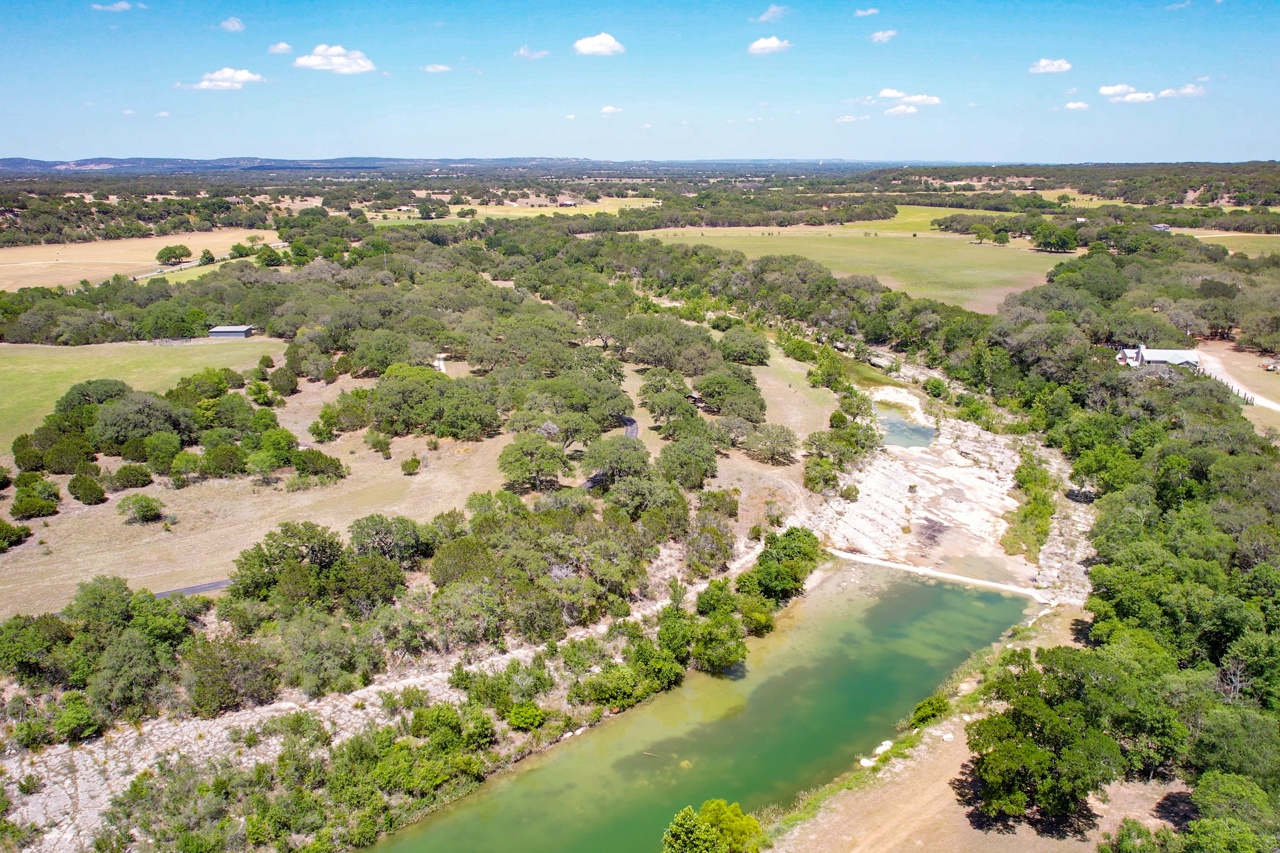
{"x": 231, "y": 331}
{"x": 1143, "y": 357}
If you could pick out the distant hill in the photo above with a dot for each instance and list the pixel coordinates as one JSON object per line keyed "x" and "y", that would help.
{"x": 540, "y": 166}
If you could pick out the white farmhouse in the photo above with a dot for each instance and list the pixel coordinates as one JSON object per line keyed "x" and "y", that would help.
{"x": 1143, "y": 357}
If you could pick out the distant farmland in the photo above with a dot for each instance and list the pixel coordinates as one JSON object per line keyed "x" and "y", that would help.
{"x": 67, "y": 264}
{"x": 902, "y": 252}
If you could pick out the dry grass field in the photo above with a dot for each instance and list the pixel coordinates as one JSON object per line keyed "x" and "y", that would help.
{"x": 66, "y": 264}
{"x": 33, "y": 377}
{"x": 217, "y": 519}
{"x": 506, "y": 211}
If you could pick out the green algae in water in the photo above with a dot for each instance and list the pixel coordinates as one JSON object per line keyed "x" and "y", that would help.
{"x": 847, "y": 662}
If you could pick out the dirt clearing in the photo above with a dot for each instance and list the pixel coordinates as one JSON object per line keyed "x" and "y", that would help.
{"x": 217, "y": 519}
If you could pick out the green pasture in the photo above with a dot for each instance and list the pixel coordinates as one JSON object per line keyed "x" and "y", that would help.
{"x": 951, "y": 268}
{"x": 1251, "y": 244}
{"x": 33, "y": 377}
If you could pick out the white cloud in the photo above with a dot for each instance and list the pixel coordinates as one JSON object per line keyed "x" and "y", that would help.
{"x": 907, "y": 104}
{"x": 1072, "y": 90}
{"x": 598, "y": 45}
{"x": 127, "y": 112}
{"x": 1077, "y": 105}
{"x": 571, "y": 116}
{"x": 1050, "y": 66}
{"x": 232, "y": 25}
{"x": 763, "y": 46}
{"x": 1123, "y": 93}
{"x": 645, "y": 126}
{"x": 280, "y": 47}
{"x": 121, "y": 6}
{"x": 436, "y": 68}
{"x": 883, "y": 36}
{"x": 162, "y": 114}
{"x": 610, "y": 111}
{"x": 1191, "y": 90}
{"x": 773, "y": 13}
{"x": 844, "y": 119}
{"x": 1184, "y": 4}
{"x": 223, "y": 80}
{"x": 335, "y": 58}
{"x": 1204, "y": 79}
{"x": 862, "y": 13}
{"x": 525, "y": 53}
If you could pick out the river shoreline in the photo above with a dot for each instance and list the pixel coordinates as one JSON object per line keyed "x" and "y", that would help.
{"x": 921, "y": 506}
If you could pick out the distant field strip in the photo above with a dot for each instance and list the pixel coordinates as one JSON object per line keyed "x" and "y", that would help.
{"x": 932, "y": 264}
{"x": 33, "y": 377}
{"x": 67, "y": 264}
{"x": 506, "y": 211}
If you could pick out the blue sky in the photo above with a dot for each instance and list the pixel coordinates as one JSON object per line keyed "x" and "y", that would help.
{"x": 870, "y": 80}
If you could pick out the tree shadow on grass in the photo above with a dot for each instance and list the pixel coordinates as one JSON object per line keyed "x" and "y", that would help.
{"x": 967, "y": 787}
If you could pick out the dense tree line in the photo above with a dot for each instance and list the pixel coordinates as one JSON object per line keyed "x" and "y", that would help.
{"x": 28, "y": 219}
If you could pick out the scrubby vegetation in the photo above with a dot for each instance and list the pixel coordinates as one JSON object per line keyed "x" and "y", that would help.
{"x": 1178, "y": 678}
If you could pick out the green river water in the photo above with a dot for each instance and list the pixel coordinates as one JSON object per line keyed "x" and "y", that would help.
{"x": 846, "y": 662}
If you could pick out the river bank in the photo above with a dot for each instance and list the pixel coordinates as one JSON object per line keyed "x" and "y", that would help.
{"x": 915, "y": 800}
{"x": 847, "y": 660}
{"x": 939, "y": 505}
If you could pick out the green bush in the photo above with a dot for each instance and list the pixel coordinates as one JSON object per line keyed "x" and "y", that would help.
{"x": 86, "y": 490}
{"x": 933, "y": 708}
{"x": 12, "y": 534}
{"x": 27, "y": 504}
{"x": 130, "y": 477}
{"x": 526, "y": 716}
{"x": 936, "y": 388}
{"x": 140, "y": 509}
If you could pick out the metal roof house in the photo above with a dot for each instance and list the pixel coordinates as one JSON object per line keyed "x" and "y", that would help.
{"x": 231, "y": 331}
{"x": 1143, "y": 357}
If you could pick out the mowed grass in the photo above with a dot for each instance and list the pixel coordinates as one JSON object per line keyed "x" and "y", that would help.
{"x": 1251, "y": 244}
{"x": 932, "y": 264}
{"x": 33, "y": 377}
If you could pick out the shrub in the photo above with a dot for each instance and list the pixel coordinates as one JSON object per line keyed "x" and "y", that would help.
{"x": 526, "y": 716}
{"x": 86, "y": 490}
{"x": 379, "y": 442}
{"x": 140, "y": 509}
{"x": 226, "y": 460}
{"x": 130, "y": 477}
{"x": 936, "y": 388}
{"x": 6, "y": 479}
{"x": 411, "y": 466}
{"x": 933, "y": 708}
{"x": 317, "y": 464}
{"x": 28, "y": 504}
{"x": 12, "y": 534}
